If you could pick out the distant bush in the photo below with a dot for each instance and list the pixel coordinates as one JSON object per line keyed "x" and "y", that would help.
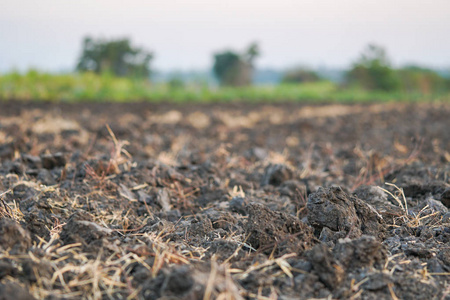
{"x": 423, "y": 80}
{"x": 234, "y": 69}
{"x": 373, "y": 71}
{"x": 176, "y": 83}
{"x": 300, "y": 75}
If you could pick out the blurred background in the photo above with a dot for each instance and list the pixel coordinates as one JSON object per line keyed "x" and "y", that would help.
{"x": 322, "y": 50}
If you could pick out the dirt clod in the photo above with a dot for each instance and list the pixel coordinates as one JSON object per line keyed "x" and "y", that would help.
{"x": 13, "y": 236}
{"x": 329, "y": 270}
{"x": 445, "y": 197}
{"x": 359, "y": 253}
{"x": 12, "y": 291}
{"x": 334, "y": 209}
{"x": 268, "y": 229}
{"x": 81, "y": 229}
{"x": 178, "y": 282}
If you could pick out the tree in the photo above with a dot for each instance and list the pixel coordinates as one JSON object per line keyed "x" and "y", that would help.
{"x": 252, "y": 53}
{"x": 373, "y": 71}
{"x": 117, "y": 56}
{"x": 300, "y": 75}
{"x": 233, "y": 69}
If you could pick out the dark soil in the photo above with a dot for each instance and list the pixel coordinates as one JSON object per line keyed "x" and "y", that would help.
{"x": 224, "y": 201}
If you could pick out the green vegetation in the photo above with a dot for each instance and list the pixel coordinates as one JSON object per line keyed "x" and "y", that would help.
{"x": 373, "y": 71}
{"x": 93, "y": 87}
{"x": 114, "y": 70}
{"x": 300, "y": 75}
{"x": 425, "y": 81}
{"x": 115, "y": 56}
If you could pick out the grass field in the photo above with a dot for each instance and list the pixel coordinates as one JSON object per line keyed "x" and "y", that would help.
{"x": 34, "y": 86}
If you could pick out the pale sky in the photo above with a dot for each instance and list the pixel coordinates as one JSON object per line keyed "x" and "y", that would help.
{"x": 47, "y": 34}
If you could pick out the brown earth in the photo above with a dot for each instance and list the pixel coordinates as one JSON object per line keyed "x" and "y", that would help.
{"x": 224, "y": 201}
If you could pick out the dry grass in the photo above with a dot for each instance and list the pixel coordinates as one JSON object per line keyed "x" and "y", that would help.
{"x": 220, "y": 284}
{"x": 280, "y": 262}
{"x": 79, "y": 275}
{"x": 409, "y": 218}
{"x": 5, "y": 210}
{"x": 378, "y": 166}
{"x": 399, "y": 197}
{"x": 237, "y": 192}
{"x": 11, "y": 211}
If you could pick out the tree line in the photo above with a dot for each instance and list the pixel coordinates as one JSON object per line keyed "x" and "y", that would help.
{"x": 371, "y": 71}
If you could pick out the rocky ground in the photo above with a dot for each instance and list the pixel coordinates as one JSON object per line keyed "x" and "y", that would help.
{"x": 224, "y": 201}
